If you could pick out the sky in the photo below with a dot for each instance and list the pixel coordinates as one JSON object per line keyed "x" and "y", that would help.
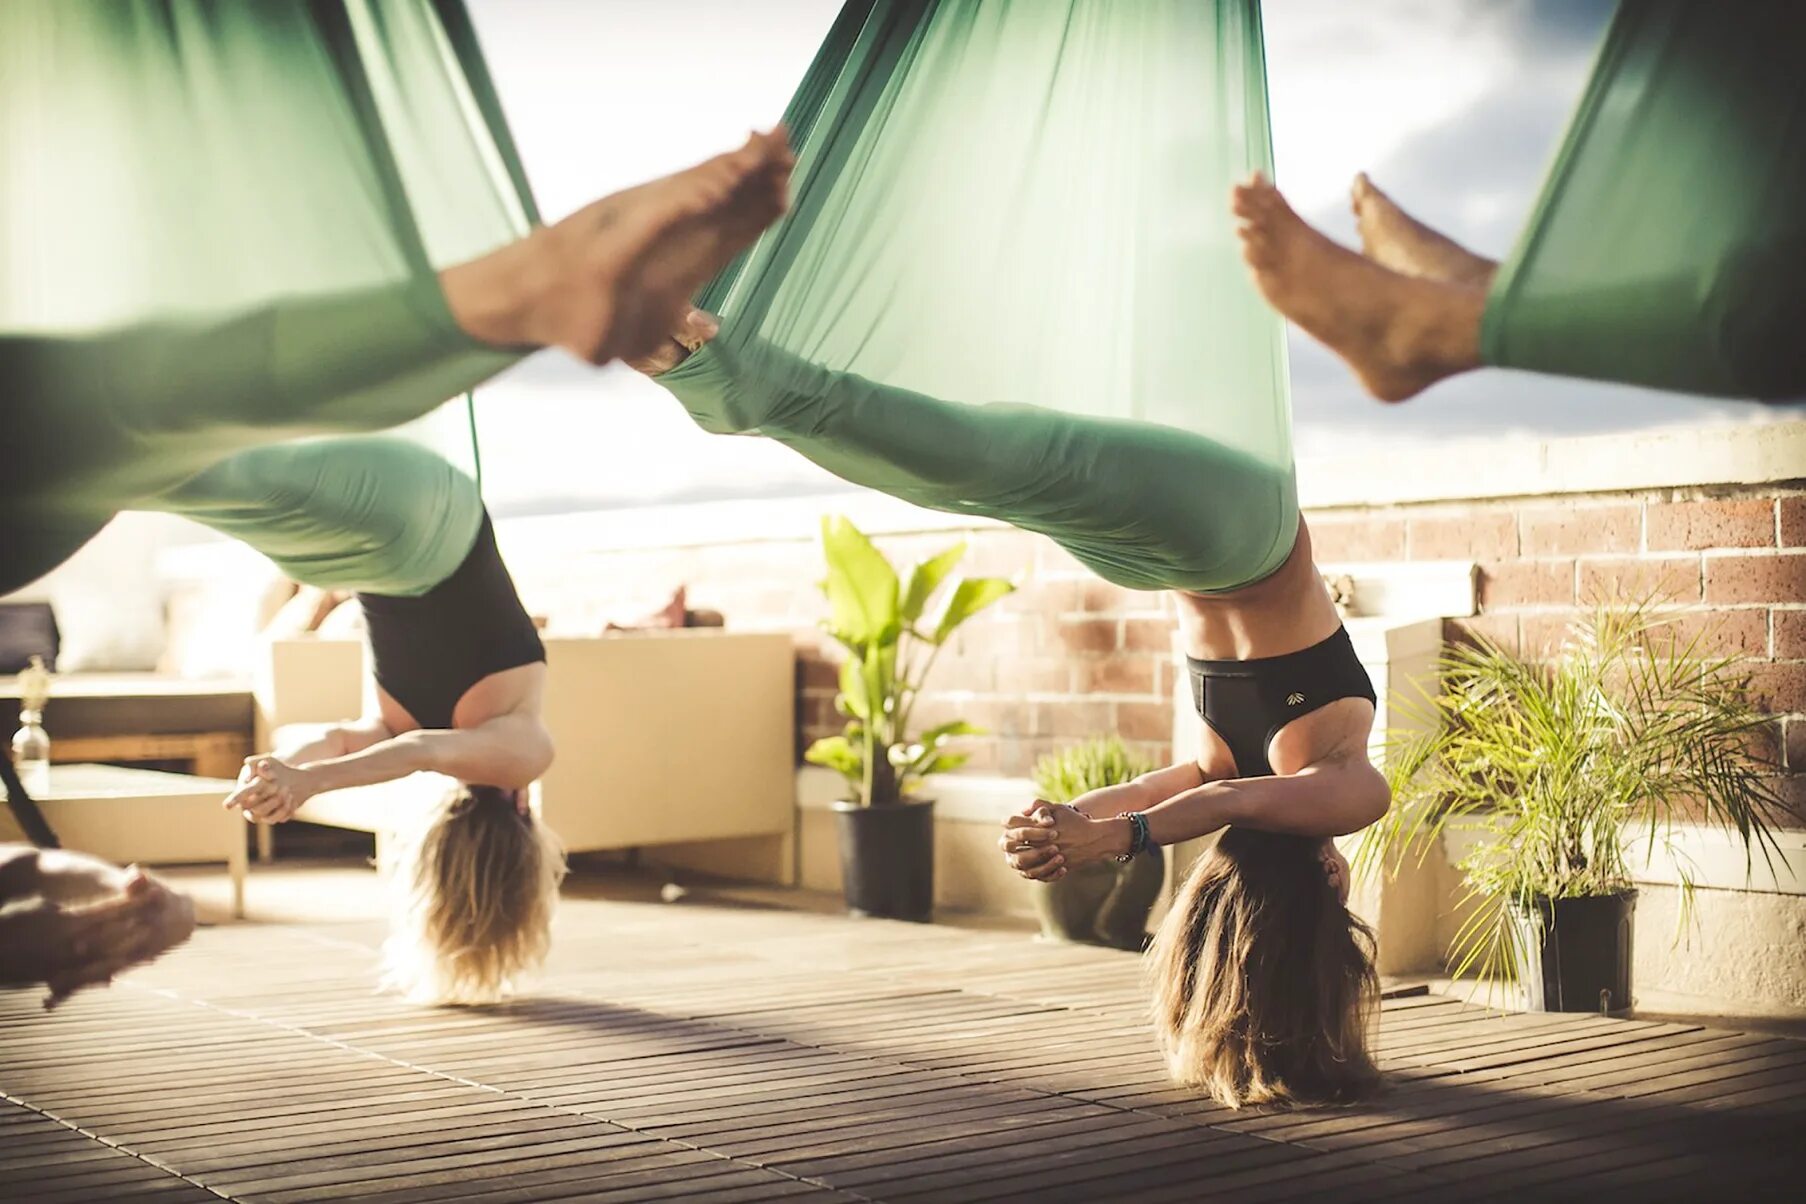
{"x": 1453, "y": 106}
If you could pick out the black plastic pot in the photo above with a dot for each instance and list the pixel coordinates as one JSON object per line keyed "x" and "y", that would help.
{"x": 887, "y": 859}
{"x": 1573, "y": 955}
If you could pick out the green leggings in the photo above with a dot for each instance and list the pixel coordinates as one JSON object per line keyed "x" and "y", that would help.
{"x": 1667, "y": 246}
{"x": 1142, "y": 505}
{"x": 370, "y": 513}
{"x": 136, "y": 419}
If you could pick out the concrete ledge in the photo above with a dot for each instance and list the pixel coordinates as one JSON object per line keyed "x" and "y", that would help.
{"x": 1715, "y": 859}
{"x": 1758, "y": 453}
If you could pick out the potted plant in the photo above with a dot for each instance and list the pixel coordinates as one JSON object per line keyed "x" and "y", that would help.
{"x": 891, "y": 642}
{"x": 1556, "y": 772}
{"x": 1108, "y": 903}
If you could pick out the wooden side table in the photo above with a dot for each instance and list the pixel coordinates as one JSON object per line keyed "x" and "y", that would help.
{"x": 143, "y": 816}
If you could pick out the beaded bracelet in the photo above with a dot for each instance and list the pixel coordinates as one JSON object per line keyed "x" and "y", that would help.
{"x": 1138, "y": 834}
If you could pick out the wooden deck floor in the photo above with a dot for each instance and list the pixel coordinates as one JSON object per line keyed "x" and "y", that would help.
{"x": 704, "y": 1052}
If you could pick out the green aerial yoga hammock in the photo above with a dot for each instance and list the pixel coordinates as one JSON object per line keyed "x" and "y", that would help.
{"x": 1026, "y": 203}
{"x": 220, "y": 226}
{"x": 1668, "y": 245}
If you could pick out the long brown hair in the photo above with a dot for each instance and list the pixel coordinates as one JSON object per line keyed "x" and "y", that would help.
{"x": 478, "y": 889}
{"x": 1263, "y": 982}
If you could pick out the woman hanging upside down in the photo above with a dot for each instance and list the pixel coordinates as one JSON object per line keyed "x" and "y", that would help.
{"x": 104, "y": 422}
{"x": 460, "y": 675}
{"x": 1266, "y": 978}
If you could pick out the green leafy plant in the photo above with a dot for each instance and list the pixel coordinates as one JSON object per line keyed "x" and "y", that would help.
{"x": 1101, "y": 761}
{"x": 1559, "y": 770}
{"x": 882, "y": 622}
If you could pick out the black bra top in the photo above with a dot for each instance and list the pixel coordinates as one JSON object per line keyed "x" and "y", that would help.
{"x": 1247, "y": 702}
{"x": 428, "y": 650}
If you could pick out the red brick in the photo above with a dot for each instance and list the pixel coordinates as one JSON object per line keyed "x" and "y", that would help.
{"x": 1005, "y": 718}
{"x": 983, "y": 755}
{"x": 1088, "y": 635}
{"x": 1115, "y": 675}
{"x": 1358, "y": 539}
{"x": 1156, "y": 753}
{"x": 1526, "y": 583}
{"x": 1038, "y": 675}
{"x": 1792, "y": 791}
{"x": 1149, "y": 635}
{"x": 1793, "y": 522}
{"x": 1499, "y": 630}
{"x": 1545, "y": 635}
{"x": 975, "y": 672}
{"x": 1144, "y": 720}
{"x": 1629, "y": 579}
{"x": 1680, "y": 526}
{"x": 1753, "y": 578}
{"x": 1072, "y": 719}
{"x": 1481, "y": 536}
{"x": 1723, "y": 632}
{"x": 1017, "y": 758}
{"x": 1779, "y": 687}
{"x": 1103, "y": 598}
{"x": 1565, "y": 530}
{"x": 1790, "y": 634}
{"x": 1793, "y": 739}
{"x": 1165, "y": 674}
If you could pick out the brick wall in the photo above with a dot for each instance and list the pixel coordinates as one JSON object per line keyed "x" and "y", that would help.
{"x": 1068, "y": 655}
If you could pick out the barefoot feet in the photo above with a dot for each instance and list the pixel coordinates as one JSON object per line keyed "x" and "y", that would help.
{"x": 1399, "y": 334}
{"x": 684, "y": 336}
{"x": 1394, "y": 239}
{"x": 612, "y": 279}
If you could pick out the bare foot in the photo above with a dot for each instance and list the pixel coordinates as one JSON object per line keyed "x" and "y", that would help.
{"x": 1399, "y": 334}
{"x": 610, "y": 280}
{"x": 682, "y": 338}
{"x": 1394, "y": 239}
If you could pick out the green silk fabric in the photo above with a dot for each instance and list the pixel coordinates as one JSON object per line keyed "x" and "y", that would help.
{"x": 1025, "y": 202}
{"x": 220, "y": 226}
{"x": 1667, "y": 246}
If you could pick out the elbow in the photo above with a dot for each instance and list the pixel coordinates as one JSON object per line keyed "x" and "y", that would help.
{"x": 1377, "y": 807}
{"x": 539, "y": 758}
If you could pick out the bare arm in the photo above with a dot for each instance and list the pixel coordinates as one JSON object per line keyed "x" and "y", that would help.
{"x": 1144, "y": 793}
{"x": 300, "y": 743}
{"x": 1331, "y": 798}
{"x": 510, "y": 751}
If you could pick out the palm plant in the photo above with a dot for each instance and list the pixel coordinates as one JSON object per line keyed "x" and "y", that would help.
{"x": 880, "y": 620}
{"x": 1560, "y": 769}
{"x": 1062, "y": 776}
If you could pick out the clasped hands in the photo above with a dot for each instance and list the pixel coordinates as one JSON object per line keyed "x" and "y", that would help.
{"x": 1046, "y": 841}
{"x": 270, "y": 790}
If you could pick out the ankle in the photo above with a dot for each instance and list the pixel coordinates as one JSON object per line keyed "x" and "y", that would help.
{"x": 503, "y": 298}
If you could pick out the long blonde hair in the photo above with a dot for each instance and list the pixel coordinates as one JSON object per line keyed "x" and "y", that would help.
{"x": 1264, "y": 984}
{"x": 474, "y": 908}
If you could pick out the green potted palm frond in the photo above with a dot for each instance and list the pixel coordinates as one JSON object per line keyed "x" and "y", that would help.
{"x": 891, "y": 641}
{"x": 1107, "y": 903}
{"x": 1555, "y": 776}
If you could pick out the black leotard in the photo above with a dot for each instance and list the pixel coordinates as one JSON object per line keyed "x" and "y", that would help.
{"x": 1247, "y": 702}
{"x": 428, "y": 650}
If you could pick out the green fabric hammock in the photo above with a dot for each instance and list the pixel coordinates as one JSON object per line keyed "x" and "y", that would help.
{"x": 219, "y": 227}
{"x": 1668, "y": 245}
{"x": 1026, "y": 202}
